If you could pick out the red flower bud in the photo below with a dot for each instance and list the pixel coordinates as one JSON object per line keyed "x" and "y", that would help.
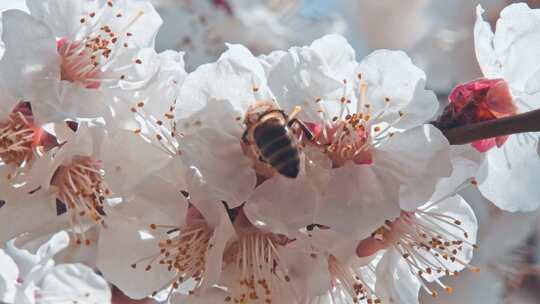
{"x": 477, "y": 101}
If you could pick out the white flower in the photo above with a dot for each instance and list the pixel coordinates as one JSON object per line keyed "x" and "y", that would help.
{"x": 35, "y": 279}
{"x": 433, "y": 241}
{"x": 176, "y": 246}
{"x": 402, "y": 257}
{"x": 148, "y": 110}
{"x": 500, "y": 256}
{"x": 22, "y": 141}
{"x": 71, "y": 184}
{"x": 512, "y": 53}
{"x": 436, "y": 241}
{"x": 368, "y": 120}
{"x": 260, "y": 266}
{"x": 350, "y": 279}
{"x": 78, "y": 55}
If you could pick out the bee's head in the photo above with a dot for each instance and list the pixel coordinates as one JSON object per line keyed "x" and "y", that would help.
{"x": 255, "y": 111}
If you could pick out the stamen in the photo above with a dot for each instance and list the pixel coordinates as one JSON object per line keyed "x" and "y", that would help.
{"x": 424, "y": 240}
{"x": 80, "y": 187}
{"x": 164, "y": 130}
{"x": 84, "y": 60}
{"x": 184, "y": 252}
{"x": 352, "y": 281}
{"x": 19, "y": 139}
{"x": 259, "y": 272}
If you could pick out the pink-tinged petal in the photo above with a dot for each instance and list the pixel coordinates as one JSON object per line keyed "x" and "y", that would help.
{"x": 499, "y": 100}
{"x": 224, "y": 5}
{"x": 368, "y": 247}
{"x": 501, "y": 140}
{"x": 484, "y": 145}
{"x": 315, "y": 128}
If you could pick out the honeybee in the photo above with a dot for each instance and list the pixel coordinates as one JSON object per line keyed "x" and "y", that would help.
{"x": 269, "y": 132}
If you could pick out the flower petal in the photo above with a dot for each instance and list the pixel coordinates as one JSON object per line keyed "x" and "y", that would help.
{"x": 237, "y": 77}
{"x": 74, "y": 282}
{"x": 485, "y": 53}
{"x": 8, "y": 278}
{"x": 122, "y": 244}
{"x": 220, "y": 173}
{"x": 417, "y": 158}
{"x": 507, "y": 176}
{"x": 395, "y": 282}
{"x": 359, "y": 195}
{"x": 282, "y": 205}
{"x": 394, "y": 85}
{"x": 30, "y": 62}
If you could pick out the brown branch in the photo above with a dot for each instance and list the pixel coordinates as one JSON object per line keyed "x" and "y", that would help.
{"x": 521, "y": 123}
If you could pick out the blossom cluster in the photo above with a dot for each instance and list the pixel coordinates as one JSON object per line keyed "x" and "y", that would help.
{"x": 296, "y": 176}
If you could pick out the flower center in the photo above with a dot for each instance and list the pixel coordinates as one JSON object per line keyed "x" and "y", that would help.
{"x": 353, "y": 281}
{"x": 80, "y": 62}
{"x": 184, "y": 252}
{"x": 430, "y": 249}
{"x": 354, "y": 132}
{"x": 80, "y": 187}
{"x": 259, "y": 273}
{"x": 348, "y": 140}
{"x": 84, "y": 60}
{"x": 18, "y": 138}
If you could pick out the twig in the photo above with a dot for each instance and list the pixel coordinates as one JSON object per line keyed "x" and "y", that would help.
{"x": 521, "y": 123}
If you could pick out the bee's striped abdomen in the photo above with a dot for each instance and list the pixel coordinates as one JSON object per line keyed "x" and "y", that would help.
{"x": 275, "y": 144}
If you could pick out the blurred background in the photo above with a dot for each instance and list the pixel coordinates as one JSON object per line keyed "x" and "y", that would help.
{"x": 436, "y": 34}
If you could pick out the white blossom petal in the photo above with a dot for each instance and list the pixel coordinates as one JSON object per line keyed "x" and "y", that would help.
{"x": 361, "y": 195}
{"x": 234, "y": 78}
{"x": 394, "y": 85}
{"x": 8, "y": 278}
{"x": 485, "y": 53}
{"x": 395, "y": 283}
{"x": 30, "y": 61}
{"x": 282, "y": 205}
{"x": 123, "y": 244}
{"x": 418, "y": 158}
{"x": 75, "y": 283}
{"x": 507, "y": 176}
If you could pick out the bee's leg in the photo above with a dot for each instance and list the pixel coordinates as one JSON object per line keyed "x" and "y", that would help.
{"x": 297, "y": 109}
{"x": 244, "y": 137}
{"x": 305, "y": 129}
